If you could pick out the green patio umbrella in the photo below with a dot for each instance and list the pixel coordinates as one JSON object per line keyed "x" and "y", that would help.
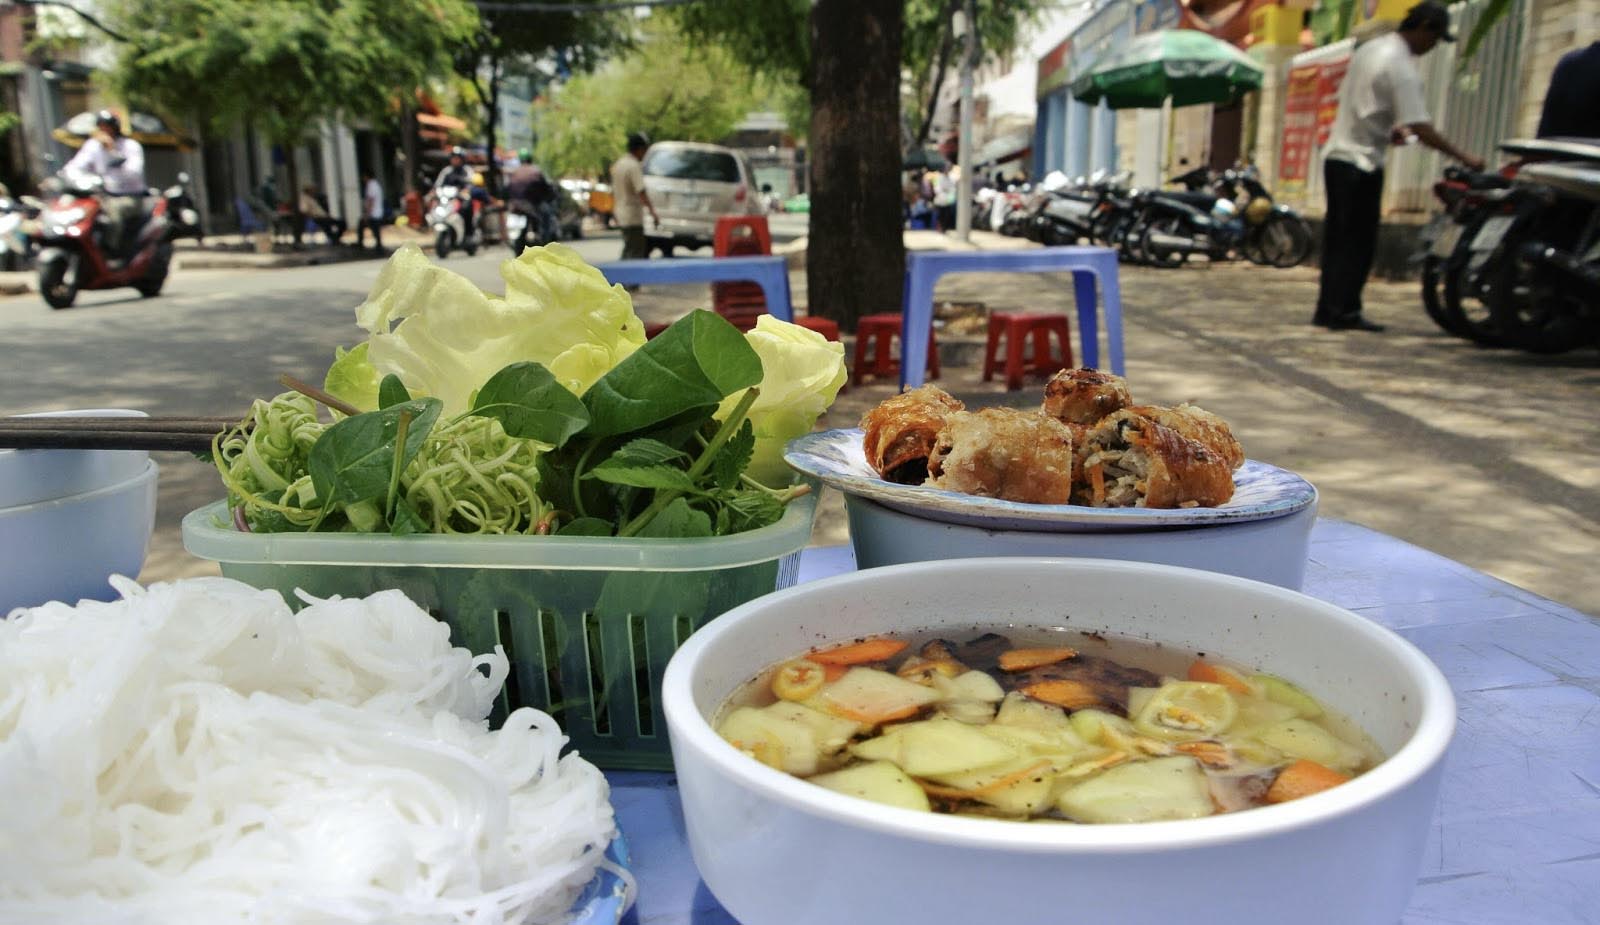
{"x": 1188, "y": 66}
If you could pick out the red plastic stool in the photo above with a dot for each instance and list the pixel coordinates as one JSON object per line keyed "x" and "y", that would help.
{"x": 828, "y": 329}
{"x": 1016, "y": 328}
{"x": 875, "y": 334}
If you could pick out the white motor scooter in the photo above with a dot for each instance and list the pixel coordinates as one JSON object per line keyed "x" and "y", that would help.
{"x": 449, "y": 224}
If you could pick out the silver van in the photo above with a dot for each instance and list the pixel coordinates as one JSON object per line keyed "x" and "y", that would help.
{"x": 691, "y": 185}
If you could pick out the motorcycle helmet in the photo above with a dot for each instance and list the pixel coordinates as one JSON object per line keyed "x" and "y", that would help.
{"x": 458, "y": 151}
{"x": 1258, "y": 209}
{"x": 105, "y": 118}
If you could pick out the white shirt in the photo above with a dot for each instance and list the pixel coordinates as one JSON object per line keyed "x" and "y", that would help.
{"x": 126, "y": 179}
{"x": 1382, "y": 89}
{"x": 374, "y": 196}
{"x": 627, "y": 183}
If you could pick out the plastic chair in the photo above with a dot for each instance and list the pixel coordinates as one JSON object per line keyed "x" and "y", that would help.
{"x": 740, "y": 236}
{"x": 248, "y": 223}
{"x": 1088, "y": 265}
{"x": 875, "y": 336}
{"x": 1015, "y": 328}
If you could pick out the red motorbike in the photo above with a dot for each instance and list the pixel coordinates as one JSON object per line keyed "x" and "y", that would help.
{"x": 77, "y": 251}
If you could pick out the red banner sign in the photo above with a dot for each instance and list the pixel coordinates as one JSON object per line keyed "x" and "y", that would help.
{"x": 1301, "y": 99}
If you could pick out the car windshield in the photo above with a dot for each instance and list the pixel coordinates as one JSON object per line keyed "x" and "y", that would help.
{"x": 691, "y": 164}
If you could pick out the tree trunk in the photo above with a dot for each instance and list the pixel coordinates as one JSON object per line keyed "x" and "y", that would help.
{"x": 855, "y": 263}
{"x": 942, "y": 64}
{"x": 492, "y": 123}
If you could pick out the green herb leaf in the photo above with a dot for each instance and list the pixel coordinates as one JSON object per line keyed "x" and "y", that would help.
{"x": 734, "y": 456}
{"x": 642, "y": 476}
{"x": 352, "y": 459}
{"x": 678, "y": 519}
{"x": 752, "y": 510}
{"x": 645, "y": 452}
{"x": 587, "y": 526}
{"x": 530, "y": 403}
{"x": 391, "y": 391}
{"x": 698, "y": 361}
{"x": 406, "y": 521}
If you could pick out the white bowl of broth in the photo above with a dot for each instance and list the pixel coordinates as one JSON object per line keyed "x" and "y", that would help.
{"x": 774, "y": 847}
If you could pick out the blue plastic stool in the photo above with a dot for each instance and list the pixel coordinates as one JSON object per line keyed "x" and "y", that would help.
{"x": 770, "y": 273}
{"x": 1086, "y": 264}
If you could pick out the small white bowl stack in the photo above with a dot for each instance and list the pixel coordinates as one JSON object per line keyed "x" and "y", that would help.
{"x": 70, "y": 519}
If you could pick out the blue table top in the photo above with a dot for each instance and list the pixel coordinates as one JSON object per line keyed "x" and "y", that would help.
{"x": 1516, "y": 838}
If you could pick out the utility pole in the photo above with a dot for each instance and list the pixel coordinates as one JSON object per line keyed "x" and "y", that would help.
{"x": 965, "y": 27}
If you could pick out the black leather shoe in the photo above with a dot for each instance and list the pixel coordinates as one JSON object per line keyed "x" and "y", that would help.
{"x": 1352, "y": 324}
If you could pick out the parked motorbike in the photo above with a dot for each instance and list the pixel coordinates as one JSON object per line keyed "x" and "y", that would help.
{"x": 1059, "y": 212}
{"x": 1545, "y": 297}
{"x": 447, "y": 219}
{"x": 1469, "y": 199}
{"x": 182, "y": 212}
{"x": 18, "y": 224}
{"x": 75, "y": 251}
{"x": 1207, "y": 218}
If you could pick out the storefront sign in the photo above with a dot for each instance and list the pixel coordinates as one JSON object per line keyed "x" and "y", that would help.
{"x": 1054, "y": 69}
{"x": 1156, "y": 14}
{"x": 1301, "y": 101}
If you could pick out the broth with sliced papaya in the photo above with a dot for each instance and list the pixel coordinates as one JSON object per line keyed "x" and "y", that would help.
{"x": 1042, "y": 725}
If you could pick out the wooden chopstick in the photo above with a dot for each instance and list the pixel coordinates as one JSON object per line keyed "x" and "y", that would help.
{"x": 184, "y": 434}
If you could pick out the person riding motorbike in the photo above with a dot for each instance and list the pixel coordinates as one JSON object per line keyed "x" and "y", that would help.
{"x": 529, "y": 191}
{"x": 459, "y": 175}
{"x": 119, "y": 161}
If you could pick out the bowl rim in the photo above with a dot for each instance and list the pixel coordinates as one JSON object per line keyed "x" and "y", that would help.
{"x": 1419, "y": 755}
{"x": 149, "y": 471}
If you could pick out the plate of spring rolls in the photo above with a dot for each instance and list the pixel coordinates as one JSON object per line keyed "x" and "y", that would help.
{"x": 1087, "y": 459}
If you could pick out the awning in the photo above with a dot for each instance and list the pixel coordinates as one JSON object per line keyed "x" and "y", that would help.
{"x": 1007, "y": 147}
{"x": 441, "y": 121}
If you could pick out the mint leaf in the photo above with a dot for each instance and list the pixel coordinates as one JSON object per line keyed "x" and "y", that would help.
{"x": 678, "y": 519}
{"x": 646, "y": 452}
{"x": 752, "y": 510}
{"x": 352, "y": 460}
{"x": 586, "y": 526}
{"x": 696, "y": 363}
{"x": 734, "y": 457}
{"x": 657, "y": 477}
{"x": 391, "y": 391}
{"x": 529, "y": 403}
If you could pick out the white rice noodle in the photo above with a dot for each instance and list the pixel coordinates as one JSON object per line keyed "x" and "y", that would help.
{"x": 197, "y": 753}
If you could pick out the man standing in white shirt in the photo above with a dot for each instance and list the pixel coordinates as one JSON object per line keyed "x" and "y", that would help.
{"x": 119, "y": 161}
{"x": 1380, "y": 101}
{"x": 630, "y": 198}
{"x": 371, "y": 212}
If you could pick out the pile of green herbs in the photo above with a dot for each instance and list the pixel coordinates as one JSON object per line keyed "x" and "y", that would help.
{"x": 643, "y": 452}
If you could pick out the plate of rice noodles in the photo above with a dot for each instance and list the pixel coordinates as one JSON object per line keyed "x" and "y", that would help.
{"x": 198, "y": 751}
{"x": 1089, "y": 459}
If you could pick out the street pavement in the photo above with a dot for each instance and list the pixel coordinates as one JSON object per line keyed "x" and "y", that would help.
{"x": 1488, "y": 457}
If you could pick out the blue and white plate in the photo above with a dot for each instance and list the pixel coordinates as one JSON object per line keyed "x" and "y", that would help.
{"x": 605, "y": 899}
{"x": 836, "y": 457}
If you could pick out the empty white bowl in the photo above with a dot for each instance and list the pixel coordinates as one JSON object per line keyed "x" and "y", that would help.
{"x": 29, "y": 476}
{"x": 775, "y": 849}
{"x": 65, "y": 549}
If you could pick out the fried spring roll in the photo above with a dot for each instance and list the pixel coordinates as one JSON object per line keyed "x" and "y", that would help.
{"x": 1131, "y": 461}
{"x": 1084, "y": 396}
{"x": 1004, "y": 453}
{"x": 901, "y": 432}
{"x": 1199, "y": 425}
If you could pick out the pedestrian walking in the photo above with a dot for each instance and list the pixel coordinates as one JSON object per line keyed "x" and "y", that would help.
{"x": 631, "y": 200}
{"x": 371, "y": 211}
{"x": 1380, "y": 102}
{"x": 944, "y": 199}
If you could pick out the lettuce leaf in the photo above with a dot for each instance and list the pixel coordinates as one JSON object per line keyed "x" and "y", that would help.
{"x": 802, "y": 372}
{"x": 445, "y": 338}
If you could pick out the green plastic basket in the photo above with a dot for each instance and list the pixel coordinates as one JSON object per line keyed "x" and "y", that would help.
{"x": 587, "y": 623}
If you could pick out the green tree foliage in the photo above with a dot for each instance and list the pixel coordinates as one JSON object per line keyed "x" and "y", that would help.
{"x": 667, "y": 87}
{"x": 282, "y": 65}
{"x": 515, "y": 43}
{"x": 932, "y": 54}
